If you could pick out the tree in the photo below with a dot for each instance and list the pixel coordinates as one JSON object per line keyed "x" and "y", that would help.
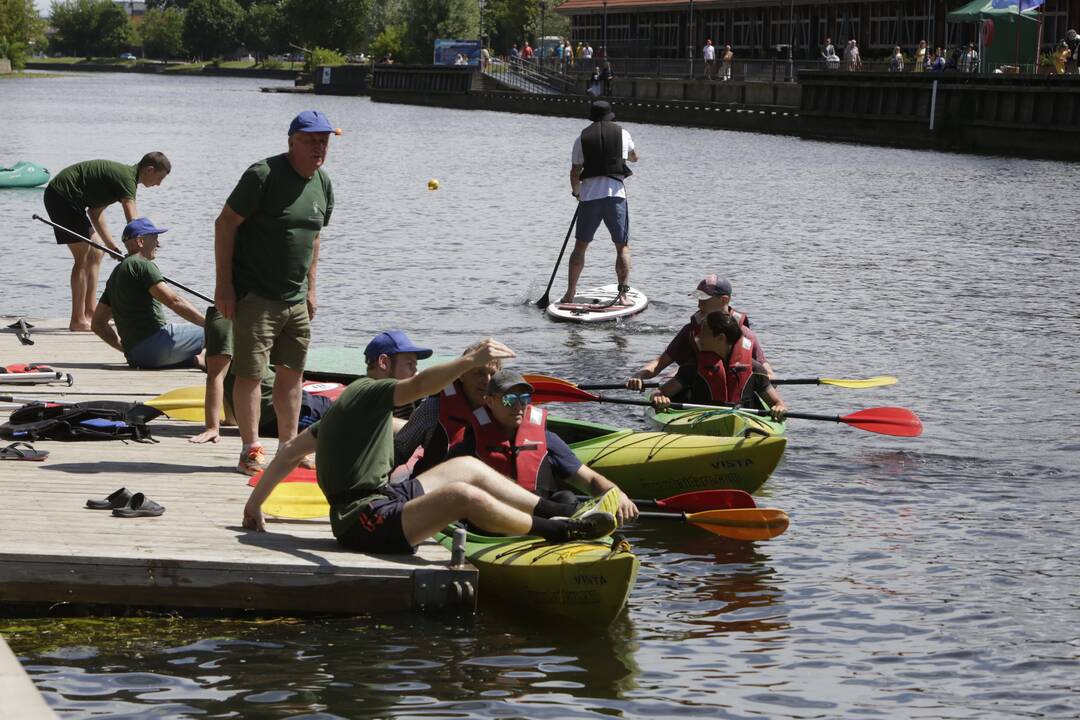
{"x": 212, "y": 27}
{"x": 337, "y": 24}
{"x": 163, "y": 33}
{"x": 20, "y": 28}
{"x": 91, "y": 27}
{"x": 432, "y": 19}
{"x": 264, "y": 30}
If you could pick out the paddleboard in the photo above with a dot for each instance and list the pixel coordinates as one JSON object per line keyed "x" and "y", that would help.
{"x": 595, "y": 305}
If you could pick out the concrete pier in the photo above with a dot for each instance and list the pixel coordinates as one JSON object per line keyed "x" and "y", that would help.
{"x": 18, "y": 696}
{"x": 55, "y": 551}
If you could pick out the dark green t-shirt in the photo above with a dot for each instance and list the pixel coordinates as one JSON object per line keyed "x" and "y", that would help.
{"x": 96, "y": 183}
{"x": 355, "y": 449}
{"x": 283, "y": 213}
{"x": 137, "y": 314}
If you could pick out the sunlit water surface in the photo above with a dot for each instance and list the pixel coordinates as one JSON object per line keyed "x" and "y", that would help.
{"x": 922, "y": 578}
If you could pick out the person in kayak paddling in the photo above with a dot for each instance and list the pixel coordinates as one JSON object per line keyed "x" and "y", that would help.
{"x": 597, "y": 171}
{"x": 724, "y": 371}
{"x": 510, "y": 434}
{"x": 220, "y": 383}
{"x": 354, "y": 450}
{"x": 713, "y": 294}
{"x": 134, "y": 295}
{"x": 266, "y": 248}
{"x": 441, "y": 420}
{"x": 76, "y": 199}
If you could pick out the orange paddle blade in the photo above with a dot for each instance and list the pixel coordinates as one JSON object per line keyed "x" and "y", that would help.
{"x": 742, "y": 523}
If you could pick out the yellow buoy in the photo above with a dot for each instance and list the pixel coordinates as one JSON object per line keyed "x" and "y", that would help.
{"x": 339, "y": 131}
{"x": 432, "y": 184}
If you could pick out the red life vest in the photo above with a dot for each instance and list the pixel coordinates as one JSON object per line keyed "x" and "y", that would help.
{"x": 455, "y": 415}
{"x": 725, "y": 381}
{"x": 521, "y": 460}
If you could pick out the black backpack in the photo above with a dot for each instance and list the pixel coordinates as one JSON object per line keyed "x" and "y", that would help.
{"x": 91, "y": 420}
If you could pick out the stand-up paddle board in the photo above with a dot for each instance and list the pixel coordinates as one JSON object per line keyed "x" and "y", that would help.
{"x": 596, "y": 305}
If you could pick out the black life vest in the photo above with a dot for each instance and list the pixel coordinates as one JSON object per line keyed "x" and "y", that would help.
{"x": 92, "y": 420}
{"x": 601, "y": 145}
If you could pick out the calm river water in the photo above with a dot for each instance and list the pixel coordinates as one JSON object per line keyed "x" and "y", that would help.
{"x": 921, "y": 578}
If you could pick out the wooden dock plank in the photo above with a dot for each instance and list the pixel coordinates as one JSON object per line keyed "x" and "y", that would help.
{"x": 55, "y": 550}
{"x": 19, "y": 697}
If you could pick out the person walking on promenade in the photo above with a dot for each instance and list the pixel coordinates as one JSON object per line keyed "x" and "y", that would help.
{"x": 708, "y": 53}
{"x": 76, "y": 198}
{"x": 856, "y": 57}
{"x": 597, "y": 171}
{"x": 354, "y": 452}
{"x": 969, "y": 62}
{"x": 1072, "y": 39}
{"x": 527, "y": 53}
{"x": 133, "y": 297}
{"x": 896, "y": 61}
{"x": 266, "y": 246}
{"x": 587, "y": 52}
{"x": 1061, "y": 58}
{"x": 920, "y": 57}
{"x": 727, "y": 61}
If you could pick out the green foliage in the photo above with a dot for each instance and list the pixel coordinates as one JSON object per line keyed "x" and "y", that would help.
{"x": 337, "y": 24}
{"x": 321, "y": 56}
{"x": 264, "y": 30}
{"x": 91, "y": 27}
{"x": 391, "y": 40}
{"x": 163, "y": 33}
{"x": 272, "y": 64}
{"x": 212, "y": 27}
{"x": 20, "y": 27}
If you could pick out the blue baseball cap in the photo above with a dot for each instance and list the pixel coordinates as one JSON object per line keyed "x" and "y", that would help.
{"x": 310, "y": 121}
{"x": 141, "y": 226}
{"x": 393, "y": 342}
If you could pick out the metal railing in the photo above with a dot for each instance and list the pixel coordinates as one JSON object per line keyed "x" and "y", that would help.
{"x": 529, "y": 77}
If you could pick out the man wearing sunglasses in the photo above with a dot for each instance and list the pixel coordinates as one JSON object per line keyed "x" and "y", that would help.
{"x": 354, "y": 452}
{"x": 510, "y": 434}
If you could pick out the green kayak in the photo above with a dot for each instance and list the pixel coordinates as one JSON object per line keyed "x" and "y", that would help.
{"x": 660, "y": 464}
{"x": 587, "y": 581}
{"x": 721, "y": 423}
{"x": 23, "y": 174}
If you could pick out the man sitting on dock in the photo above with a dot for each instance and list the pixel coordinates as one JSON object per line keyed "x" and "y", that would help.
{"x": 713, "y": 295}
{"x": 133, "y": 297}
{"x": 354, "y": 451}
{"x": 725, "y": 371}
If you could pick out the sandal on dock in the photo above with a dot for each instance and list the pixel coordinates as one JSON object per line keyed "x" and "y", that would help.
{"x": 139, "y": 506}
{"x": 118, "y": 499}
{"x": 22, "y": 451}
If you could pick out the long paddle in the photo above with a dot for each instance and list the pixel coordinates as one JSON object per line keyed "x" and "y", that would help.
{"x": 738, "y": 524}
{"x": 698, "y": 501}
{"x": 545, "y": 300}
{"x": 862, "y": 384}
{"x": 118, "y": 256}
{"x": 897, "y": 421}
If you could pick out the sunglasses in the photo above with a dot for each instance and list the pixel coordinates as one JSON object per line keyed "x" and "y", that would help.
{"x": 510, "y": 399}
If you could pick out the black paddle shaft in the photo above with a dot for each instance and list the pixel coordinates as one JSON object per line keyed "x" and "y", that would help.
{"x": 118, "y": 256}
{"x": 545, "y": 300}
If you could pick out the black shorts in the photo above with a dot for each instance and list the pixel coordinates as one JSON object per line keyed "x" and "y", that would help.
{"x": 62, "y": 212}
{"x": 378, "y": 528}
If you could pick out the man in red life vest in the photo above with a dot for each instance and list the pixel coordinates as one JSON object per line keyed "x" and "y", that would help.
{"x": 510, "y": 435}
{"x": 713, "y": 294}
{"x": 724, "y": 371}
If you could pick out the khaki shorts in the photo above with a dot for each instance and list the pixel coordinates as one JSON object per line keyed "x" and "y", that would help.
{"x": 217, "y": 333}
{"x": 269, "y": 332}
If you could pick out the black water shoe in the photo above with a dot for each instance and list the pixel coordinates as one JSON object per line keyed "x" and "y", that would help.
{"x": 590, "y": 527}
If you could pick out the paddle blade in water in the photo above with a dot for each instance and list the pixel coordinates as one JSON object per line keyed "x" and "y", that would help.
{"x": 886, "y": 420}
{"x": 878, "y": 381}
{"x": 702, "y": 500}
{"x": 743, "y": 524}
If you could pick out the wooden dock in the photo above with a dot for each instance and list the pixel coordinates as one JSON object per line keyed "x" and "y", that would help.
{"x": 55, "y": 551}
{"x": 18, "y": 696}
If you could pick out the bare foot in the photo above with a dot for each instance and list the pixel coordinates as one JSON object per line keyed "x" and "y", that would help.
{"x": 308, "y": 462}
{"x": 568, "y": 297}
{"x": 79, "y": 327}
{"x": 205, "y": 436}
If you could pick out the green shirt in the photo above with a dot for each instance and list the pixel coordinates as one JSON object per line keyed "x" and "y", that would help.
{"x": 283, "y": 214}
{"x": 96, "y": 183}
{"x": 137, "y": 314}
{"x": 355, "y": 450}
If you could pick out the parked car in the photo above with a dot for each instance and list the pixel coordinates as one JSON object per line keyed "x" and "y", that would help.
{"x": 127, "y": 56}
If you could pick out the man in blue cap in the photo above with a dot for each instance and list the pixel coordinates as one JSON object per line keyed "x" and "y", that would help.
{"x": 134, "y": 296}
{"x": 392, "y": 354}
{"x": 266, "y": 246}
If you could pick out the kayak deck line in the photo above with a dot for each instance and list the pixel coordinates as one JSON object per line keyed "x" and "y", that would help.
{"x": 196, "y": 555}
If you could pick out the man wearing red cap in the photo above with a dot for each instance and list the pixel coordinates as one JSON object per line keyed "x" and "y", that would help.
{"x": 266, "y": 244}
{"x": 713, "y": 294}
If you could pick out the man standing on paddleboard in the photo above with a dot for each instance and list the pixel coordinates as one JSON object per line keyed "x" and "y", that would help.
{"x": 266, "y": 246}
{"x": 597, "y": 171}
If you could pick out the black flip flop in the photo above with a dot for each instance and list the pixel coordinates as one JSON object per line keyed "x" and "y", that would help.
{"x": 22, "y": 451}
{"x": 118, "y": 499}
{"x": 139, "y": 506}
